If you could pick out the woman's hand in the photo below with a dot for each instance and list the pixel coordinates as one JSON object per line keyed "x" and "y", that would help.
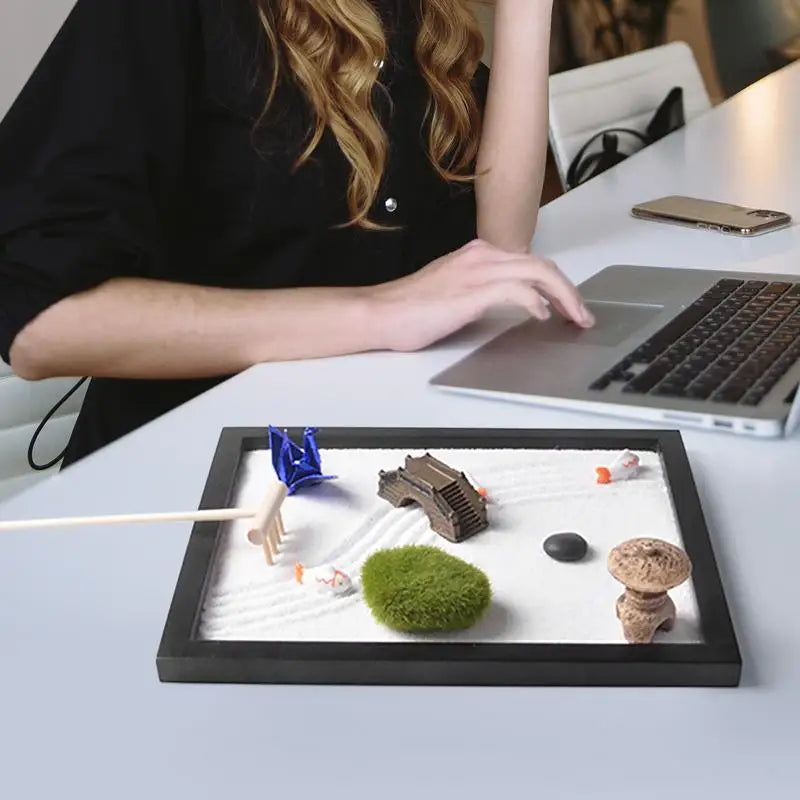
{"x": 441, "y": 298}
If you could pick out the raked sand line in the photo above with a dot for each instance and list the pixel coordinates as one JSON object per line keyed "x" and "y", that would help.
{"x": 255, "y": 622}
{"x": 364, "y": 529}
{"x": 288, "y": 608}
{"x": 376, "y": 518}
{"x": 275, "y": 583}
{"x": 285, "y": 608}
{"x": 590, "y": 488}
{"x": 267, "y": 604}
{"x": 251, "y": 610}
{"x": 267, "y": 600}
{"x": 505, "y": 479}
{"x": 258, "y": 628}
{"x": 410, "y": 525}
{"x": 513, "y": 497}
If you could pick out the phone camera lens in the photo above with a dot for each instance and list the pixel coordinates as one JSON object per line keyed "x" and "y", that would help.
{"x": 762, "y": 212}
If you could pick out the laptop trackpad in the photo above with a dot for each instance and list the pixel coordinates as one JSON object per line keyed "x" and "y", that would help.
{"x": 615, "y": 323}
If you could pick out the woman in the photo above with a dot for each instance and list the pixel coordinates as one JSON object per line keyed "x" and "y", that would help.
{"x": 191, "y": 187}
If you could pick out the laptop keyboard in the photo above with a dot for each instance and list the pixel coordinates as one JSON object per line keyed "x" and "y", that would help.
{"x": 732, "y": 345}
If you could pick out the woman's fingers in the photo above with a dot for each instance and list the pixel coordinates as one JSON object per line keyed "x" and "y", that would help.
{"x": 540, "y": 273}
{"x": 562, "y": 292}
{"x": 581, "y": 315}
{"x": 518, "y": 293}
{"x": 558, "y": 307}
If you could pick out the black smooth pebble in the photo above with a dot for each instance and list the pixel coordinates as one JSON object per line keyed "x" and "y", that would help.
{"x": 565, "y": 546}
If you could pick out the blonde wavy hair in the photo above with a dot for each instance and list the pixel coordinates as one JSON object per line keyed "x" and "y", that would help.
{"x": 330, "y": 49}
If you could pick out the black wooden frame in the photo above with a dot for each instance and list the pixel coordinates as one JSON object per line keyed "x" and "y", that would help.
{"x": 183, "y": 657}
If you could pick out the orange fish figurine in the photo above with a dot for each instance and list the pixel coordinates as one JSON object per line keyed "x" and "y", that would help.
{"x": 326, "y": 578}
{"x": 625, "y": 466}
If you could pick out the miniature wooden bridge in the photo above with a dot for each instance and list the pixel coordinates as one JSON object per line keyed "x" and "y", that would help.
{"x": 454, "y": 507}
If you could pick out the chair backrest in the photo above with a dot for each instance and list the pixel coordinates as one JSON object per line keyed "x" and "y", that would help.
{"x": 23, "y": 405}
{"x": 623, "y": 92}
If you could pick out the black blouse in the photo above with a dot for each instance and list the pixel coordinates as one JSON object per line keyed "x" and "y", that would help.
{"x": 130, "y": 152}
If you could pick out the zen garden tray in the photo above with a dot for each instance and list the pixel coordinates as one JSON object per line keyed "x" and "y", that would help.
{"x": 459, "y": 587}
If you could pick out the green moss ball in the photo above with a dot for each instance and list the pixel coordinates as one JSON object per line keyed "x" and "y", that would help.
{"x": 418, "y": 589}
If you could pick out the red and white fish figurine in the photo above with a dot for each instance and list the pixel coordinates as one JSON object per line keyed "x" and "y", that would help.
{"x": 326, "y": 578}
{"x": 625, "y": 466}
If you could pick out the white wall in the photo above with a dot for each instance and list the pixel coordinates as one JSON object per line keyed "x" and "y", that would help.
{"x": 27, "y": 28}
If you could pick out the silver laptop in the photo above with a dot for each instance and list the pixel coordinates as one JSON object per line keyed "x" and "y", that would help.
{"x": 695, "y": 348}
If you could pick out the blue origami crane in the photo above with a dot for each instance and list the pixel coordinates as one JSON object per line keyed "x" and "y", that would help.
{"x": 296, "y": 466}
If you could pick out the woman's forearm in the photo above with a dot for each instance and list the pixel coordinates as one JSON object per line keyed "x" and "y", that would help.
{"x": 513, "y": 148}
{"x": 137, "y": 328}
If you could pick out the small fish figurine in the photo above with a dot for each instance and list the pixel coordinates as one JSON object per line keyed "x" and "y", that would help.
{"x": 326, "y": 578}
{"x": 296, "y": 466}
{"x": 625, "y": 466}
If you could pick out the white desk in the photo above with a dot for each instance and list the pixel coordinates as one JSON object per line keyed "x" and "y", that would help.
{"x": 81, "y": 612}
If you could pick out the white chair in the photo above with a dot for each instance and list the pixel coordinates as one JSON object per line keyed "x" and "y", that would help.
{"x": 622, "y": 92}
{"x": 23, "y": 405}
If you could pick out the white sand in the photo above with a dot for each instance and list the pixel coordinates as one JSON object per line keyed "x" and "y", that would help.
{"x": 533, "y": 493}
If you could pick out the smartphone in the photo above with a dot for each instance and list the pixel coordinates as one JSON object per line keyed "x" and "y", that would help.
{"x": 709, "y": 215}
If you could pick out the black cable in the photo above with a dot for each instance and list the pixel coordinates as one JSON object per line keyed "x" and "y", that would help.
{"x": 31, "y": 462}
